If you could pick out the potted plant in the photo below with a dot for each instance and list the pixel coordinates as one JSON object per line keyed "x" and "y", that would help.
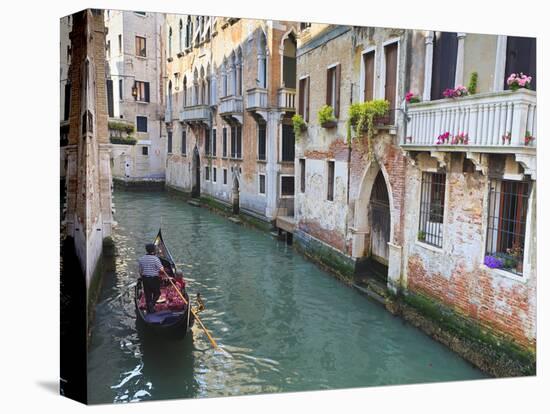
{"x": 421, "y": 235}
{"x": 506, "y": 138}
{"x": 493, "y": 262}
{"x": 516, "y": 81}
{"x": 528, "y": 138}
{"x": 458, "y": 92}
{"x": 299, "y": 125}
{"x": 412, "y": 98}
{"x": 361, "y": 117}
{"x": 472, "y": 85}
{"x": 326, "y": 117}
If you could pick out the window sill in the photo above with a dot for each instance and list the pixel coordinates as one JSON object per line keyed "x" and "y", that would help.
{"x": 505, "y": 274}
{"x": 286, "y": 196}
{"x": 427, "y": 246}
{"x": 235, "y": 159}
{"x": 287, "y": 162}
{"x": 142, "y": 102}
{"x": 141, "y": 57}
{"x": 262, "y": 161}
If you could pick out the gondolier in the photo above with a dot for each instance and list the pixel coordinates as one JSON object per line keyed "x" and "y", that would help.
{"x": 150, "y": 268}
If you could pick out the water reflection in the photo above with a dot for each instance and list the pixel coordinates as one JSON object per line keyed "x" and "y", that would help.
{"x": 286, "y": 324}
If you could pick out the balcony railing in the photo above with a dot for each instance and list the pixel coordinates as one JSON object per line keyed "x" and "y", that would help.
{"x": 286, "y": 98}
{"x": 231, "y": 105}
{"x": 494, "y": 120}
{"x": 256, "y": 98}
{"x": 196, "y": 113}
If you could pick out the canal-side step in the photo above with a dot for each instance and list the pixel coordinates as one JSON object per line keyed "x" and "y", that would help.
{"x": 365, "y": 289}
{"x": 194, "y": 202}
{"x": 235, "y": 220}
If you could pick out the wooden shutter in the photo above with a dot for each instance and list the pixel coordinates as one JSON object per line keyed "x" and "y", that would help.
{"x": 337, "y": 91}
{"x": 445, "y": 46}
{"x": 147, "y": 98}
{"x": 391, "y": 78}
{"x": 328, "y": 99}
{"x": 521, "y": 56}
{"x": 110, "y": 103}
{"x": 306, "y": 117}
{"x": 67, "y": 101}
{"x": 368, "y": 87}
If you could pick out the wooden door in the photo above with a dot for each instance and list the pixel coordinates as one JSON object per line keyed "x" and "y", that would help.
{"x": 380, "y": 220}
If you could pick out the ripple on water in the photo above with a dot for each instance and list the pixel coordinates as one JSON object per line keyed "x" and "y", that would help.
{"x": 285, "y": 324}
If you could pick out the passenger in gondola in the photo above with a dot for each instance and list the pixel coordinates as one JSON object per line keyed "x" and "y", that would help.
{"x": 150, "y": 269}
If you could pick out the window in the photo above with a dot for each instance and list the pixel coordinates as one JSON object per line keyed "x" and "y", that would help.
{"x": 120, "y": 89}
{"x": 236, "y": 142}
{"x": 141, "y": 49}
{"x": 120, "y": 44}
{"x": 304, "y": 26}
{"x": 445, "y": 47}
{"x": 207, "y": 138}
{"x": 432, "y": 207}
{"x": 110, "y": 103}
{"x": 170, "y": 42}
{"x": 225, "y": 176}
{"x": 141, "y": 123}
{"x": 261, "y": 183}
{"x": 206, "y": 173}
{"x": 287, "y": 186}
{"x": 368, "y": 76}
{"x": 302, "y": 175}
{"x": 521, "y": 56}
{"x": 262, "y": 142}
{"x": 330, "y": 181}
{"x": 508, "y": 201}
{"x": 144, "y": 150}
{"x": 303, "y": 98}
{"x": 67, "y": 101}
{"x": 169, "y": 142}
{"x": 142, "y": 91}
{"x": 224, "y": 142}
{"x": 390, "y": 87}
{"x": 108, "y": 49}
{"x": 140, "y": 13}
{"x": 184, "y": 142}
{"x": 333, "y": 89}
{"x": 181, "y": 35}
{"x": 288, "y": 143}
{"x": 214, "y": 174}
{"x": 214, "y": 143}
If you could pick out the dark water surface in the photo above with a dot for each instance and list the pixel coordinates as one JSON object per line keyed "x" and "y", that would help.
{"x": 287, "y": 325}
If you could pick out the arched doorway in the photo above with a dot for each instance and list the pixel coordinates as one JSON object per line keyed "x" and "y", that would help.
{"x": 196, "y": 175}
{"x": 235, "y": 195}
{"x": 380, "y": 220}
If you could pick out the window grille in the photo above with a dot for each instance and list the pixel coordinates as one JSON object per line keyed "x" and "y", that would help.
{"x": 432, "y": 205}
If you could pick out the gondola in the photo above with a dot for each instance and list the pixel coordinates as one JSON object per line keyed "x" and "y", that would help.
{"x": 172, "y": 317}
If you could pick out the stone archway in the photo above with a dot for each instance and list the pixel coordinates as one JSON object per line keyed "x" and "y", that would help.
{"x": 196, "y": 174}
{"x": 235, "y": 195}
{"x": 374, "y": 202}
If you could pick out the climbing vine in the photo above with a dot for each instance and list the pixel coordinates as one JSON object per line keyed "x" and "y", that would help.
{"x": 361, "y": 119}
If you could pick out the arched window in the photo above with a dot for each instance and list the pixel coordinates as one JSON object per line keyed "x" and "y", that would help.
{"x": 196, "y": 87}
{"x": 169, "y": 99}
{"x": 188, "y": 32}
{"x": 170, "y": 42}
{"x": 262, "y": 59}
{"x": 239, "y": 73}
{"x": 232, "y": 74}
{"x": 181, "y": 35}
{"x": 224, "y": 77}
{"x": 289, "y": 61}
{"x": 202, "y": 87}
{"x": 184, "y": 92}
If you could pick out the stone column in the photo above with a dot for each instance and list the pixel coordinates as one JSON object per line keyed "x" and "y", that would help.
{"x": 426, "y": 96}
{"x": 272, "y": 167}
{"x": 459, "y": 74}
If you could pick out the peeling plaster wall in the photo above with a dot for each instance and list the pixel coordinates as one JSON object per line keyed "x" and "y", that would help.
{"x": 455, "y": 274}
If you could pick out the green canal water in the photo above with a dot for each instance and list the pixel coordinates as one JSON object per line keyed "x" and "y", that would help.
{"x": 286, "y": 324}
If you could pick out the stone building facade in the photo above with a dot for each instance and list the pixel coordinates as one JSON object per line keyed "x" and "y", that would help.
{"x": 449, "y": 220}
{"x": 230, "y": 97}
{"x": 135, "y": 96}
{"x": 88, "y": 218}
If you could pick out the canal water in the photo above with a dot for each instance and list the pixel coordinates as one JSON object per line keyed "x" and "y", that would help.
{"x": 286, "y": 324}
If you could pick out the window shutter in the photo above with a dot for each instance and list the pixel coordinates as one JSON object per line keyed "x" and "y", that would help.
{"x": 147, "y": 92}
{"x": 329, "y": 88}
{"x": 110, "y": 103}
{"x": 67, "y": 101}
{"x": 337, "y": 92}
{"x": 306, "y": 117}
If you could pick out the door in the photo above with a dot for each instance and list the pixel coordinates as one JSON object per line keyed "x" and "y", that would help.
{"x": 196, "y": 188}
{"x": 521, "y": 56}
{"x": 445, "y": 47}
{"x": 379, "y": 218}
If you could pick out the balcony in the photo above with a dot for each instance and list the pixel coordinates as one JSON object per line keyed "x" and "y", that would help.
{"x": 286, "y": 99}
{"x": 196, "y": 114}
{"x": 232, "y": 107}
{"x": 496, "y": 122}
{"x": 256, "y": 102}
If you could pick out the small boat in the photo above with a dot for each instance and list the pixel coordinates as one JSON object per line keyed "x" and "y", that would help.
{"x": 173, "y": 316}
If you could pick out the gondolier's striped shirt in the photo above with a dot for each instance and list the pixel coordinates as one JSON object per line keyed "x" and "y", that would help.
{"x": 149, "y": 265}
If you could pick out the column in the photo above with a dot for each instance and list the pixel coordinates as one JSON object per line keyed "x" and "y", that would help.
{"x": 426, "y": 96}
{"x": 459, "y": 74}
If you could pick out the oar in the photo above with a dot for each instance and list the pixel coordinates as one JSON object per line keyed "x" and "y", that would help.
{"x": 212, "y": 341}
